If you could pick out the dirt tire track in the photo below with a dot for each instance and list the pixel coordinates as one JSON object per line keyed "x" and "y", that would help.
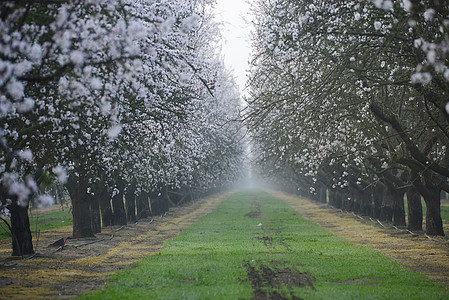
{"x": 76, "y": 271}
{"x": 417, "y": 253}
{"x": 273, "y": 279}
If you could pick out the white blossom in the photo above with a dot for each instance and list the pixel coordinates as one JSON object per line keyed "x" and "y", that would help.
{"x": 137, "y": 30}
{"x": 61, "y": 174}
{"x": 114, "y": 131}
{"x": 5, "y": 213}
{"x": 5, "y": 70}
{"x": 25, "y": 106}
{"x": 105, "y": 107}
{"x": 407, "y": 5}
{"x": 431, "y": 56}
{"x": 77, "y": 57}
{"x": 62, "y": 16}
{"x": 422, "y": 77}
{"x": 429, "y": 14}
{"x": 35, "y": 53}
{"x": 189, "y": 23}
{"x": 25, "y": 155}
{"x": 167, "y": 24}
{"x": 377, "y": 25}
{"x": 384, "y": 4}
{"x": 16, "y": 89}
{"x": 418, "y": 43}
{"x": 22, "y": 67}
{"x": 44, "y": 201}
{"x": 96, "y": 83}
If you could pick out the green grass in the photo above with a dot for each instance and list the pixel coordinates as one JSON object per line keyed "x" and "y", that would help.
{"x": 444, "y": 211}
{"x": 44, "y": 222}
{"x": 210, "y": 259}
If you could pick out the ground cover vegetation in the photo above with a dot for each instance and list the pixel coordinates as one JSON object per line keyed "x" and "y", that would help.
{"x": 40, "y": 222}
{"x": 124, "y": 103}
{"x": 348, "y": 103}
{"x": 66, "y": 267}
{"x": 256, "y": 246}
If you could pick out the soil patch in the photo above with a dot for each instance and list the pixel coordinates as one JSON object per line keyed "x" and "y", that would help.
{"x": 84, "y": 265}
{"x": 419, "y": 253}
{"x": 272, "y": 239}
{"x": 275, "y": 281}
{"x": 256, "y": 210}
{"x": 267, "y": 241}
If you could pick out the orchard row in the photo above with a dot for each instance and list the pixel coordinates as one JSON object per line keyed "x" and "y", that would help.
{"x": 349, "y": 101}
{"x": 113, "y": 100}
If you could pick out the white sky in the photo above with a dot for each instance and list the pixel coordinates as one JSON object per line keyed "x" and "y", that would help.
{"x": 236, "y": 35}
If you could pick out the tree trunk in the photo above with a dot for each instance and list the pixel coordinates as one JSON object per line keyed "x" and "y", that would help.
{"x": 431, "y": 195}
{"x": 365, "y": 203}
{"x": 434, "y": 224}
{"x": 141, "y": 213}
{"x": 143, "y": 205}
{"x": 146, "y": 203}
{"x": 95, "y": 213}
{"x": 130, "y": 197}
{"x": 357, "y": 198}
{"x": 414, "y": 209}
{"x": 77, "y": 187}
{"x": 362, "y": 201}
{"x": 118, "y": 206}
{"x": 22, "y": 243}
{"x": 335, "y": 198}
{"x": 322, "y": 193}
{"x": 377, "y": 194}
{"x": 354, "y": 201}
{"x": 157, "y": 202}
{"x": 104, "y": 197}
{"x": 165, "y": 200}
{"x": 350, "y": 203}
{"x": 397, "y": 206}
{"x": 332, "y": 197}
{"x": 386, "y": 213}
{"x": 312, "y": 195}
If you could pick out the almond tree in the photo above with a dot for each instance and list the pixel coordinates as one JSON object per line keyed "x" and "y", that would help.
{"x": 91, "y": 93}
{"x": 340, "y": 81}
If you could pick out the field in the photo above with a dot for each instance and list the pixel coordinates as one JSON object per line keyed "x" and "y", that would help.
{"x": 248, "y": 245}
{"x": 256, "y": 246}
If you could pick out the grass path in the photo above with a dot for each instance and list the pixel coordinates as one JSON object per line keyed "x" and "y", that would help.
{"x": 255, "y": 245}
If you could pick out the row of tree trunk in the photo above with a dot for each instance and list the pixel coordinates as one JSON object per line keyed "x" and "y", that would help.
{"x": 98, "y": 206}
{"x": 385, "y": 202}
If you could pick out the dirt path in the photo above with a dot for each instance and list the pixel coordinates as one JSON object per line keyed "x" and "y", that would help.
{"x": 81, "y": 267}
{"x": 417, "y": 252}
